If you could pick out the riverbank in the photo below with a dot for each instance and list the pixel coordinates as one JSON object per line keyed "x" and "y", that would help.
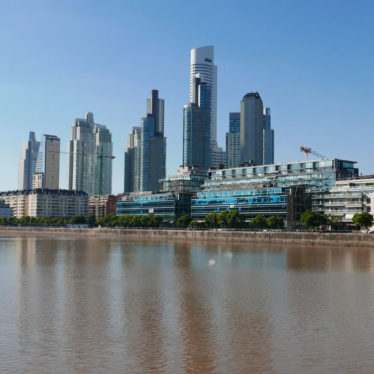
{"x": 221, "y": 235}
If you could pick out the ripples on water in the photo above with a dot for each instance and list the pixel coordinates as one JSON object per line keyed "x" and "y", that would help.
{"x": 105, "y": 306}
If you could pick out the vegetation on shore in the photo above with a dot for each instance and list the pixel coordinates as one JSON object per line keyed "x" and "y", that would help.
{"x": 47, "y": 221}
{"x": 226, "y": 219}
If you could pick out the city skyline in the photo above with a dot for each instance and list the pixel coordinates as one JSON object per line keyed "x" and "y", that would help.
{"x": 316, "y": 90}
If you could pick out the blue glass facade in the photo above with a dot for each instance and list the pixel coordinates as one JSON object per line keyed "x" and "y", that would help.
{"x": 170, "y": 206}
{"x": 317, "y": 176}
{"x": 288, "y": 203}
{"x": 272, "y": 201}
{"x": 234, "y": 122}
{"x": 196, "y": 128}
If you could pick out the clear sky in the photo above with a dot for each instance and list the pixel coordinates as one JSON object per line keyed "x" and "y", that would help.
{"x": 311, "y": 61}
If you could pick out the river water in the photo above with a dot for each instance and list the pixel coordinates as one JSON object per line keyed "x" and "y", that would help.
{"x": 108, "y": 306}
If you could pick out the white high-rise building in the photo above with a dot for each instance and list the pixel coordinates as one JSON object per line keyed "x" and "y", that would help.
{"x": 202, "y": 65}
{"x": 27, "y": 162}
{"x": 90, "y": 157}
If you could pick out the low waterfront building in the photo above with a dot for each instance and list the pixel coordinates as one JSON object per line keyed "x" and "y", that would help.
{"x": 286, "y": 202}
{"x": 319, "y": 176}
{"x": 349, "y": 197}
{"x": 45, "y": 202}
{"x": 170, "y": 206}
{"x": 5, "y": 210}
{"x": 187, "y": 179}
{"x": 101, "y": 205}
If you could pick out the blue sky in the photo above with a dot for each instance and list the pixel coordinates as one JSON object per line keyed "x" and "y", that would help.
{"x": 311, "y": 61}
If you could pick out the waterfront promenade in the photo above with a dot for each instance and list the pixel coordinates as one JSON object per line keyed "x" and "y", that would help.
{"x": 355, "y": 239}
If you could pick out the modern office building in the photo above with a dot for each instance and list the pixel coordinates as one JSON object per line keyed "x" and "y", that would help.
{"x": 319, "y": 176}
{"x": 350, "y": 196}
{"x": 5, "y": 210}
{"x": 202, "y": 66}
{"x": 251, "y": 129}
{"x": 27, "y": 162}
{"x": 156, "y": 108}
{"x": 219, "y": 155}
{"x": 196, "y": 127}
{"x": 233, "y": 141}
{"x": 286, "y": 202}
{"x": 170, "y": 206}
{"x": 90, "y": 157}
{"x": 187, "y": 179}
{"x": 132, "y": 161}
{"x": 152, "y": 145}
{"x": 268, "y": 139}
{"x": 43, "y": 203}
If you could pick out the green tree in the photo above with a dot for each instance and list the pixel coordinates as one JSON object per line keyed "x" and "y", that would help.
{"x": 78, "y": 220}
{"x": 193, "y": 224}
{"x": 184, "y": 221}
{"x": 92, "y": 220}
{"x": 258, "y": 222}
{"x": 135, "y": 221}
{"x": 364, "y": 219}
{"x": 312, "y": 219}
{"x": 235, "y": 219}
{"x": 275, "y": 222}
{"x": 211, "y": 220}
{"x": 223, "y": 219}
{"x": 333, "y": 221}
{"x": 154, "y": 221}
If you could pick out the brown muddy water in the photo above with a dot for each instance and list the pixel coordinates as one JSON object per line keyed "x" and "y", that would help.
{"x": 73, "y": 305}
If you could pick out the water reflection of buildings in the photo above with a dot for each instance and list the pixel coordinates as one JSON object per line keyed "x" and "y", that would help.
{"x": 340, "y": 259}
{"x": 25, "y": 248}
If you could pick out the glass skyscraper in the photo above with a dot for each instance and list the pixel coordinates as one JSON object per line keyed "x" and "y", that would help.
{"x": 268, "y": 139}
{"x": 202, "y": 66}
{"x": 132, "y": 161}
{"x": 27, "y": 162}
{"x": 196, "y": 127}
{"x": 145, "y": 155}
{"x": 251, "y": 129}
{"x": 233, "y": 141}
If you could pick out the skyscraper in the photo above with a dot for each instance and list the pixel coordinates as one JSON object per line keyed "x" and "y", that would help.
{"x": 27, "y": 162}
{"x": 251, "y": 129}
{"x": 90, "y": 157}
{"x": 152, "y": 145}
{"x": 233, "y": 141}
{"x": 51, "y": 173}
{"x": 202, "y": 66}
{"x": 268, "y": 139}
{"x": 196, "y": 127}
{"x": 132, "y": 161}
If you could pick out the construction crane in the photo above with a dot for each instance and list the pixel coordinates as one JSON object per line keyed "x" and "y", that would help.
{"x": 312, "y": 152}
{"x": 100, "y": 157}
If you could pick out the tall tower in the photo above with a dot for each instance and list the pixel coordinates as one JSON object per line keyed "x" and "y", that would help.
{"x": 196, "y": 127}
{"x": 268, "y": 139}
{"x": 251, "y": 129}
{"x": 27, "y": 162}
{"x": 149, "y": 149}
{"x": 51, "y": 162}
{"x": 132, "y": 161}
{"x": 90, "y": 157}
{"x": 202, "y": 65}
{"x": 233, "y": 141}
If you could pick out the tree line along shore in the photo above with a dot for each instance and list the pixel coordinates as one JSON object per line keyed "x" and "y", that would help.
{"x": 228, "y": 219}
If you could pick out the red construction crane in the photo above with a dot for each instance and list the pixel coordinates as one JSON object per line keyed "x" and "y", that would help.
{"x": 312, "y": 152}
